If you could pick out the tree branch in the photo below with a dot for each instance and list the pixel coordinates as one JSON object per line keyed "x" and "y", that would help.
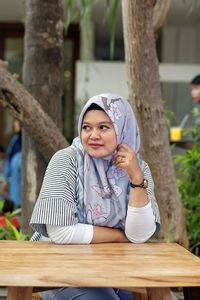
{"x": 30, "y": 113}
{"x": 159, "y": 14}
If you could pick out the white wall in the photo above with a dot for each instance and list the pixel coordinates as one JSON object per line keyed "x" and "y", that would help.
{"x": 100, "y": 76}
{"x": 180, "y": 45}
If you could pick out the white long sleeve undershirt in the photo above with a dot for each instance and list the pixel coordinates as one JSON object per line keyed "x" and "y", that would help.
{"x": 140, "y": 223}
{"x": 139, "y": 227}
{"x": 75, "y": 234}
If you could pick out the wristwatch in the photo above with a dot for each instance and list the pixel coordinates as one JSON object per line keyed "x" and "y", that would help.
{"x": 143, "y": 184}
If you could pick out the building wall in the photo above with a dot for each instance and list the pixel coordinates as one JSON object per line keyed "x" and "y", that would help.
{"x": 180, "y": 45}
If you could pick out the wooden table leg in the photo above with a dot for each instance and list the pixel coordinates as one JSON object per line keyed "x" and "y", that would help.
{"x": 159, "y": 294}
{"x": 19, "y": 293}
{"x": 139, "y": 293}
{"x": 191, "y": 293}
{"x": 139, "y": 296}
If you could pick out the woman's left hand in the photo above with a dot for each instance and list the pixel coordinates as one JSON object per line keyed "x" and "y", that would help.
{"x": 126, "y": 159}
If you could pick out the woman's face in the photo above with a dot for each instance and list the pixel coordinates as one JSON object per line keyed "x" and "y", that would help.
{"x": 98, "y": 134}
{"x": 16, "y": 126}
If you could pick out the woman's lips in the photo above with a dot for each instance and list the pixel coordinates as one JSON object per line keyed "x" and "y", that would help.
{"x": 95, "y": 145}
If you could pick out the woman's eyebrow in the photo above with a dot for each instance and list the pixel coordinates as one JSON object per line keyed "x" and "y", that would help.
{"x": 106, "y": 122}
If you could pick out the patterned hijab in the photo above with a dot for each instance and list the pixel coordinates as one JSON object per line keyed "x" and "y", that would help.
{"x": 103, "y": 189}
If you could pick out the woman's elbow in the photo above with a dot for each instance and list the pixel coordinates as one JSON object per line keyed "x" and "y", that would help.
{"x": 139, "y": 239}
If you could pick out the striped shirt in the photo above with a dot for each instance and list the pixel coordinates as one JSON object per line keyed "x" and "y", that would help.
{"x": 58, "y": 200}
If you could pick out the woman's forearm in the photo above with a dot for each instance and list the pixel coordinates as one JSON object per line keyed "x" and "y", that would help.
{"x": 108, "y": 235}
{"x": 138, "y": 196}
{"x": 84, "y": 234}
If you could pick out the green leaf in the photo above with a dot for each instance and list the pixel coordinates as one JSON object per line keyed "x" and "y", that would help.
{"x": 17, "y": 234}
{"x": 16, "y": 212}
{"x": 83, "y": 8}
{"x": 68, "y": 14}
{"x": 1, "y": 204}
{"x": 13, "y": 230}
{"x": 113, "y": 26}
{"x": 107, "y": 13}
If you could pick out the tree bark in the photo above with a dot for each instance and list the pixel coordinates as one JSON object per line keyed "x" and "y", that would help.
{"x": 145, "y": 97}
{"x": 24, "y": 107}
{"x": 43, "y": 78}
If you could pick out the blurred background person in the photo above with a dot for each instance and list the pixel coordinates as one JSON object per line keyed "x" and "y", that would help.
{"x": 195, "y": 89}
{"x": 2, "y": 157}
{"x": 195, "y": 94}
{"x": 12, "y": 167}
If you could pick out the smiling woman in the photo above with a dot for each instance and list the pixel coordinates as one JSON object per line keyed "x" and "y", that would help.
{"x": 98, "y": 134}
{"x": 98, "y": 190}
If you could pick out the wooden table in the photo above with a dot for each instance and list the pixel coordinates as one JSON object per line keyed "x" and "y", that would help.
{"x": 24, "y": 265}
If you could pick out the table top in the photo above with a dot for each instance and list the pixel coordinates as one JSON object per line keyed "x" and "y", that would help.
{"x": 123, "y": 265}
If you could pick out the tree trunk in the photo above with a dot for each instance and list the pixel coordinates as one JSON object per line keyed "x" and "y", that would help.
{"x": 145, "y": 97}
{"x": 43, "y": 78}
{"x": 24, "y": 107}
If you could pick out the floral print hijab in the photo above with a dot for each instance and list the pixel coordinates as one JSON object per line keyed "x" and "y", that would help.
{"x": 103, "y": 189}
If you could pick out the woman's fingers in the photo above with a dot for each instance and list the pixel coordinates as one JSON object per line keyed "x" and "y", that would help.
{"x": 124, "y": 156}
{"x": 120, "y": 160}
{"x": 125, "y": 147}
{"x": 119, "y": 156}
{"x": 126, "y": 159}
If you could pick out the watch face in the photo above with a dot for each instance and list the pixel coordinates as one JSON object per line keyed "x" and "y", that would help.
{"x": 145, "y": 183}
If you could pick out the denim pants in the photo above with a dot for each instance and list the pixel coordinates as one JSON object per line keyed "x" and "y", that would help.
{"x": 86, "y": 294}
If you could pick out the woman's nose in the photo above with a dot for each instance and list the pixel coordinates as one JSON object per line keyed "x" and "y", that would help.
{"x": 95, "y": 134}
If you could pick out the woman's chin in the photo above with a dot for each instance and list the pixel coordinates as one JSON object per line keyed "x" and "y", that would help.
{"x": 96, "y": 154}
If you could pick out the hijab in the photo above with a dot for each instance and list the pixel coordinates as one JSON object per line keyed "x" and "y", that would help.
{"x": 103, "y": 189}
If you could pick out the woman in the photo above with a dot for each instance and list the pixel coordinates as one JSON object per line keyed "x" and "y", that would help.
{"x": 98, "y": 189}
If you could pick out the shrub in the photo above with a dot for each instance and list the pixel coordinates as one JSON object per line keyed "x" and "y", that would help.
{"x": 10, "y": 232}
{"x": 188, "y": 170}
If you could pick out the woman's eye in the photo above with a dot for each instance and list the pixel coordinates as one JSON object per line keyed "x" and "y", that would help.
{"x": 104, "y": 127}
{"x": 86, "y": 127}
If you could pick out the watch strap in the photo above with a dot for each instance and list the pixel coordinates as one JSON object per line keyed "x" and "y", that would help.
{"x": 143, "y": 184}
